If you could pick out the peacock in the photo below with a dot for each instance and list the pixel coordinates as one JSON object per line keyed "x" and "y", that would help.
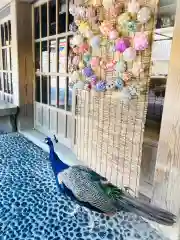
{"x": 95, "y": 193}
{"x": 56, "y": 164}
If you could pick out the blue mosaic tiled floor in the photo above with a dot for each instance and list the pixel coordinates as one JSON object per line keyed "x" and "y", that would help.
{"x": 32, "y": 209}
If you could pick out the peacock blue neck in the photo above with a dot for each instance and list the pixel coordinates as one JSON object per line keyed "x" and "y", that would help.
{"x": 57, "y": 165}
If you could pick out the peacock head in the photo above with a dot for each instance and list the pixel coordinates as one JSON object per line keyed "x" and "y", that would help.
{"x": 48, "y": 141}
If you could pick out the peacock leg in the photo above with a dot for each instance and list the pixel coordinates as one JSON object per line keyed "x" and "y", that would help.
{"x": 75, "y": 211}
{"x": 92, "y": 221}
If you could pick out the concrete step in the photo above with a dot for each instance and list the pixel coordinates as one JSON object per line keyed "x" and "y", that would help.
{"x": 8, "y": 113}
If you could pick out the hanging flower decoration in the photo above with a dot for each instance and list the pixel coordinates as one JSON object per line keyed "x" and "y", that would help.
{"x": 140, "y": 41}
{"x": 94, "y": 80}
{"x": 88, "y": 72}
{"x": 106, "y": 27}
{"x": 113, "y": 34}
{"x": 95, "y": 62}
{"x": 127, "y": 76}
{"x": 81, "y": 65}
{"x": 87, "y": 57}
{"x": 107, "y": 4}
{"x": 120, "y": 66}
{"x": 73, "y": 27}
{"x": 95, "y": 41}
{"x": 101, "y": 86}
{"x": 115, "y": 10}
{"x": 110, "y": 65}
{"x": 77, "y": 40}
{"x": 83, "y": 48}
{"x": 129, "y": 54}
{"x": 133, "y": 7}
{"x": 137, "y": 69}
{"x": 83, "y": 27}
{"x": 144, "y": 15}
{"x": 131, "y": 26}
{"x": 122, "y": 44}
{"x": 118, "y": 35}
{"x": 75, "y": 60}
{"x": 119, "y": 83}
{"x": 123, "y": 19}
{"x": 110, "y": 85}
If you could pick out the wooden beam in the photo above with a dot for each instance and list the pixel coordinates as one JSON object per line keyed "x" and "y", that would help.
{"x": 166, "y": 191}
{"x": 22, "y": 61}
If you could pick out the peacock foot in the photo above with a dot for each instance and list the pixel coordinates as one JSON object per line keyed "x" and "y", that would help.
{"x": 75, "y": 211}
{"x": 92, "y": 221}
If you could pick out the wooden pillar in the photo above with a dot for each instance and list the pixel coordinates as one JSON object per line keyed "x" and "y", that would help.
{"x": 22, "y": 61}
{"x": 167, "y": 173}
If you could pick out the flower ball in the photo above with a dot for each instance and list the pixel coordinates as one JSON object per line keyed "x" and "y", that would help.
{"x": 77, "y": 40}
{"x": 144, "y": 15}
{"x": 120, "y": 66}
{"x": 75, "y": 60}
{"x": 113, "y": 35}
{"x": 140, "y": 41}
{"x": 106, "y": 27}
{"x": 119, "y": 83}
{"x": 95, "y": 41}
{"x": 93, "y": 80}
{"x": 129, "y": 54}
{"x": 107, "y": 4}
{"x": 123, "y": 18}
{"x": 81, "y": 64}
{"x": 75, "y": 76}
{"x": 79, "y": 85}
{"x": 87, "y": 57}
{"x": 133, "y": 7}
{"x": 122, "y": 44}
{"x": 87, "y": 71}
{"x": 110, "y": 85}
{"x": 94, "y": 62}
{"x": 83, "y": 48}
{"x": 101, "y": 86}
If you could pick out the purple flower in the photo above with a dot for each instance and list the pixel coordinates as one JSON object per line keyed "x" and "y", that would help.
{"x": 88, "y": 72}
{"x": 101, "y": 86}
{"x": 73, "y": 27}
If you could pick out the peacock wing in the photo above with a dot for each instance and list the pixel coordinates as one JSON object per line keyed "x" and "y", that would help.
{"x": 86, "y": 190}
{"x": 92, "y": 174}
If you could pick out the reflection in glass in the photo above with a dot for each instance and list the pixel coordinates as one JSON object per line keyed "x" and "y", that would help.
{"x": 38, "y": 89}
{"x": 62, "y": 55}
{"x": 4, "y": 59}
{"x": 45, "y": 60}
{"x": 44, "y": 20}
{"x": 6, "y": 34}
{"x": 62, "y": 6}
{"x": 5, "y": 79}
{"x": 70, "y": 54}
{"x": 52, "y": 17}
{"x": 44, "y": 90}
{"x": 36, "y": 23}
{"x": 0, "y": 82}
{"x": 62, "y": 92}
{"x": 9, "y": 31}
{"x": 53, "y": 91}
{"x": 37, "y": 56}
{"x": 53, "y": 56}
{"x": 10, "y": 55}
{"x": 62, "y": 16}
{"x": 11, "y": 83}
{"x": 2, "y": 35}
{"x": 69, "y": 95}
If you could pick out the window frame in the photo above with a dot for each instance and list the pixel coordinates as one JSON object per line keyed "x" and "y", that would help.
{"x": 67, "y": 111}
{"x": 5, "y": 94}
